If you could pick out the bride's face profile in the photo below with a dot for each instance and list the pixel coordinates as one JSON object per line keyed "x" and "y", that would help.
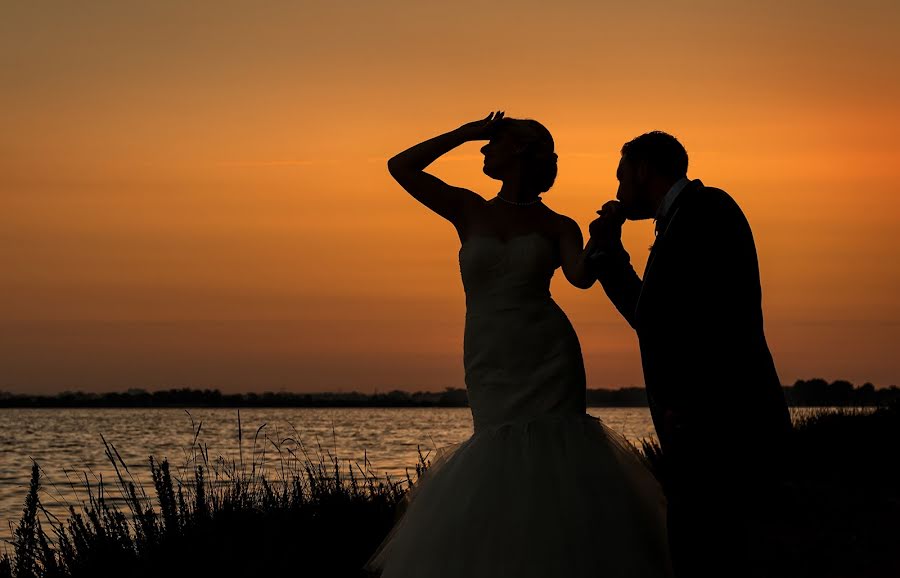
{"x": 501, "y": 155}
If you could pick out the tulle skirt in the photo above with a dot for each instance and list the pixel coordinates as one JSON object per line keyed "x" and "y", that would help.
{"x": 556, "y": 496}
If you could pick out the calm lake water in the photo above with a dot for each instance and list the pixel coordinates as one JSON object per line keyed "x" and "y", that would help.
{"x": 67, "y": 442}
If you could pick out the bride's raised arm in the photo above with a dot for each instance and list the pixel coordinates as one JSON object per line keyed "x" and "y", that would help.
{"x": 574, "y": 255}
{"x": 408, "y": 169}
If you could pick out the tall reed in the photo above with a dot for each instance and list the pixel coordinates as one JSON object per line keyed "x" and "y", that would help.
{"x": 302, "y": 512}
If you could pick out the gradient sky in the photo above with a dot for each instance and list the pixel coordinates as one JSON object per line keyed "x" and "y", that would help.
{"x": 195, "y": 194}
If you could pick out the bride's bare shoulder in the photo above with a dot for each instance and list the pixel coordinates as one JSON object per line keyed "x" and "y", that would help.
{"x": 561, "y": 224}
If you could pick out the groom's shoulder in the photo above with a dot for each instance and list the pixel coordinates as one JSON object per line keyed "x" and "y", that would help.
{"x": 711, "y": 195}
{"x": 714, "y": 200}
{"x": 716, "y": 212}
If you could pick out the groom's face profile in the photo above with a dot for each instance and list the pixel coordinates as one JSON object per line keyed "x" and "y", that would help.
{"x": 634, "y": 191}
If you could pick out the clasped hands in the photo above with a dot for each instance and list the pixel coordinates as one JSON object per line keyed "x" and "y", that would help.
{"x": 606, "y": 230}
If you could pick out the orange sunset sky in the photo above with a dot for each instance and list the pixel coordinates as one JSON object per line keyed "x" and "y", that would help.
{"x": 195, "y": 194}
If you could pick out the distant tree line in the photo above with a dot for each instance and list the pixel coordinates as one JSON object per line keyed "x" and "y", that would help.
{"x": 622, "y": 397}
{"x": 818, "y": 392}
{"x": 813, "y": 392}
{"x": 185, "y": 397}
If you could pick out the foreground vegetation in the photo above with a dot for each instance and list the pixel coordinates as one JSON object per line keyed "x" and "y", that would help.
{"x": 305, "y": 513}
{"x": 313, "y": 515}
{"x": 843, "y": 496}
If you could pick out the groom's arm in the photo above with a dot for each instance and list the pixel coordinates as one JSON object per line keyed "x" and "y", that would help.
{"x": 611, "y": 263}
{"x": 619, "y": 279}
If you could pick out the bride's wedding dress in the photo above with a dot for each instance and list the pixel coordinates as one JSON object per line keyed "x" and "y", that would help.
{"x": 541, "y": 488}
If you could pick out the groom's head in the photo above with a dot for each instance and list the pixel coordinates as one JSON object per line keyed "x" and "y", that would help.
{"x": 650, "y": 165}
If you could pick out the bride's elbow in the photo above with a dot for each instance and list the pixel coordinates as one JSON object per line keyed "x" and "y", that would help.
{"x": 582, "y": 282}
{"x": 393, "y": 166}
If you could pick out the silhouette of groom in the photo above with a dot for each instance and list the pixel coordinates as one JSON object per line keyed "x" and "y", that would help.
{"x": 714, "y": 393}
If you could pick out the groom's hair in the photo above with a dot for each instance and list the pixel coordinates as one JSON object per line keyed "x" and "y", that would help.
{"x": 661, "y": 152}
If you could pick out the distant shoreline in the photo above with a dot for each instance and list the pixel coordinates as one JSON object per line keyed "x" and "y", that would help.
{"x": 804, "y": 393}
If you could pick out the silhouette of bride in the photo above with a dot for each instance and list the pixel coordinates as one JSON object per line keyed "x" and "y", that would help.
{"x": 541, "y": 488}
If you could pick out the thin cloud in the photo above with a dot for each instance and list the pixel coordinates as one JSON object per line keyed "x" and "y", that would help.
{"x": 478, "y": 157}
{"x": 455, "y": 158}
{"x": 279, "y": 163}
{"x": 589, "y": 155}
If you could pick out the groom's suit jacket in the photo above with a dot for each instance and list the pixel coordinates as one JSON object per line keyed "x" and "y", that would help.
{"x": 698, "y": 318}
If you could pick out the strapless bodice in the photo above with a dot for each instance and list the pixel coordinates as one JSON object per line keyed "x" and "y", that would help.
{"x": 499, "y": 273}
{"x": 522, "y": 357}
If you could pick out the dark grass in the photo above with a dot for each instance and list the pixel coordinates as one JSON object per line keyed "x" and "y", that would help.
{"x": 838, "y": 510}
{"x": 308, "y": 514}
{"x": 844, "y": 495}
{"x": 314, "y": 515}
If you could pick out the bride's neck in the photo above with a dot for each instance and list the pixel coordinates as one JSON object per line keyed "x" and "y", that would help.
{"x": 516, "y": 191}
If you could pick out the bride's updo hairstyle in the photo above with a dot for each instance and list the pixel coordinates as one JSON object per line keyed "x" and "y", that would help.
{"x": 538, "y": 158}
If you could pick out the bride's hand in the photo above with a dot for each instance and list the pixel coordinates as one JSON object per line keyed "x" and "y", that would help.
{"x": 480, "y": 129}
{"x": 606, "y": 230}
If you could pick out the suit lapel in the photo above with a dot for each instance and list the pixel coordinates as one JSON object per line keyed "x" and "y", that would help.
{"x": 663, "y": 228}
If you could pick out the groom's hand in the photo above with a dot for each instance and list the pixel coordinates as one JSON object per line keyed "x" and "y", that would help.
{"x": 606, "y": 230}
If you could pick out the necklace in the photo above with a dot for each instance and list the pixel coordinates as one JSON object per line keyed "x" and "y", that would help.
{"x": 518, "y": 204}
